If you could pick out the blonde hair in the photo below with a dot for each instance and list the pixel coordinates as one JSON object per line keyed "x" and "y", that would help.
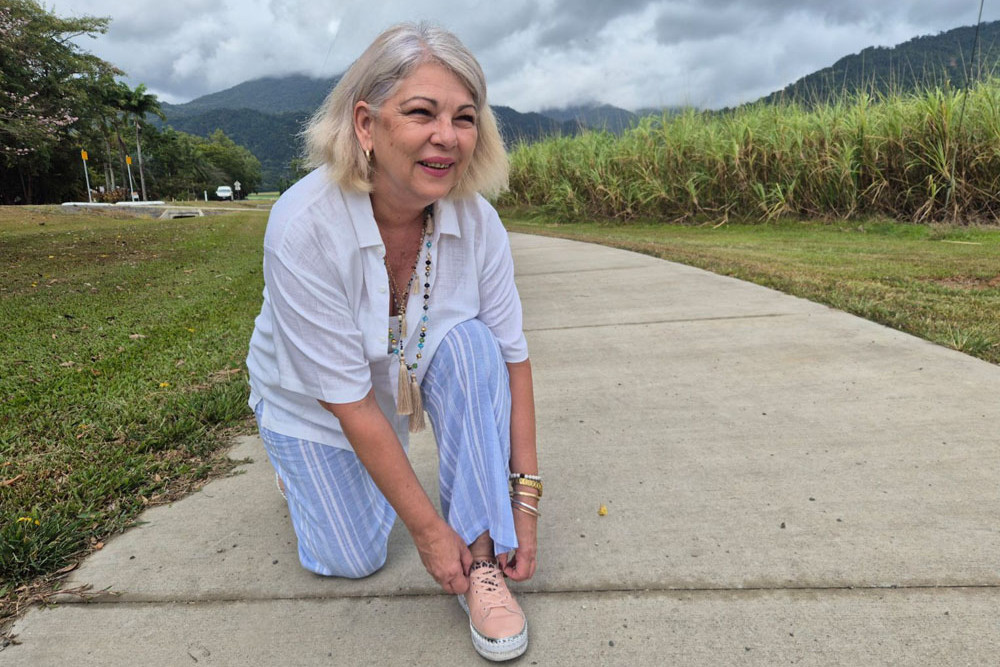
{"x": 394, "y": 55}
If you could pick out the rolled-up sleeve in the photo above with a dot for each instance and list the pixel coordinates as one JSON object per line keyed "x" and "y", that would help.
{"x": 500, "y": 303}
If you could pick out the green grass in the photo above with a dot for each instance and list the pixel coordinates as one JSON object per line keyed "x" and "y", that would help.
{"x": 941, "y": 283}
{"x": 122, "y": 371}
{"x": 263, "y": 196}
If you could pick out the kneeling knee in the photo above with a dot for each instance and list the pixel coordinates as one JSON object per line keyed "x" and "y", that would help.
{"x": 341, "y": 565}
{"x": 471, "y": 339}
{"x": 368, "y": 568}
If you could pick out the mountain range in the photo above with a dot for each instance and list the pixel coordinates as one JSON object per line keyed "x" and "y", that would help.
{"x": 266, "y": 115}
{"x": 948, "y": 59}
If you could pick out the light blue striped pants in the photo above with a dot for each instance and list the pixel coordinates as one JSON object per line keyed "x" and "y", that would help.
{"x": 342, "y": 520}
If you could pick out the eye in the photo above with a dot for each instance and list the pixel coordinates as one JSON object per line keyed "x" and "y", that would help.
{"x": 419, "y": 111}
{"x": 467, "y": 118}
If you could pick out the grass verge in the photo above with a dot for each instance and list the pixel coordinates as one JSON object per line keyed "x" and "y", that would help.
{"x": 938, "y": 282}
{"x": 122, "y": 374}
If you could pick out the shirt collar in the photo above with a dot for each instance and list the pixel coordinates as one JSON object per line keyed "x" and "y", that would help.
{"x": 359, "y": 207}
{"x": 446, "y": 219}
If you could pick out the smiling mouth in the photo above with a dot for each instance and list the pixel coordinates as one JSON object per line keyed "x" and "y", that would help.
{"x": 436, "y": 165}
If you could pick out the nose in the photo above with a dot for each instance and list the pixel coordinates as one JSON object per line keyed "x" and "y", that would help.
{"x": 444, "y": 134}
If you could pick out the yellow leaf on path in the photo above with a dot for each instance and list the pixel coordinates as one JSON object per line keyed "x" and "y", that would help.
{"x": 602, "y": 511}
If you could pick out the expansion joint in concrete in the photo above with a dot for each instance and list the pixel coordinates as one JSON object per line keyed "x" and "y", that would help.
{"x": 665, "y": 321}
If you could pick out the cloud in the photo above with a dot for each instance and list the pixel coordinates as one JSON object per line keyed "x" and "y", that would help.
{"x": 536, "y": 53}
{"x": 577, "y": 22}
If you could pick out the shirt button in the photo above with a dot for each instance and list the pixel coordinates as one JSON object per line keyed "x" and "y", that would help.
{"x": 382, "y": 289}
{"x": 381, "y": 339}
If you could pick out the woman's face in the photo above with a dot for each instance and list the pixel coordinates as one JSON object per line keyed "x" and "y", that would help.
{"x": 422, "y": 140}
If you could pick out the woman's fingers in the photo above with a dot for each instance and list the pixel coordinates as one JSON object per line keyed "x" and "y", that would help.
{"x": 459, "y": 580}
{"x": 522, "y": 567}
{"x": 466, "y": 560}
{"x": 458, "y": 584}
{"x": 446, "y": 558}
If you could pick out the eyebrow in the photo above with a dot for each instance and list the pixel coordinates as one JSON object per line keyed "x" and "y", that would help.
{"x": 434, "y": 102}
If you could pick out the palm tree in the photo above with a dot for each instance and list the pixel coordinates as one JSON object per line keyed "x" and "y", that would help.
{"x": 139, "y": 104}
{"x": 114, "y": 97}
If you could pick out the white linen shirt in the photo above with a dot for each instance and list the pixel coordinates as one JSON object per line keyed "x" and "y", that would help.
{"x": 322, "y": 332}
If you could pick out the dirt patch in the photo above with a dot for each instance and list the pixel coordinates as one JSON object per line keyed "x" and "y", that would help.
{"x": 967, "y": 282}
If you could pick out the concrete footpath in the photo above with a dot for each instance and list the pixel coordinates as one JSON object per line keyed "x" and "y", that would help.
{"x": 785, "y": 484}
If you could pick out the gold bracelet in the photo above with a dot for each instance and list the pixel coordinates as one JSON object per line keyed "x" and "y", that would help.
{"x": 525, "y": 494}
{"x": 526, "y": 508}
{"x": 521, "y": 509}
{"x": 529, "y": 482}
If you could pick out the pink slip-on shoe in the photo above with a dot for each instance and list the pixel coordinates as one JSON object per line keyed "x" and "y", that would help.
{"x": 499, "y": 630}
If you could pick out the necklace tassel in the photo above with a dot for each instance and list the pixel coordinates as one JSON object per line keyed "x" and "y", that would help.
{"x": 409, "y": 402}
{"x": 404, "y": 395}
{"x": 417, "y": 416}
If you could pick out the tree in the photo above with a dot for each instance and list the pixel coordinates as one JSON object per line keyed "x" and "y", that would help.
{"x": 56, "y": 100}
{"x": 233, "y": 162}
{"x": 296, "y": 170}
{"x": 138, "y": 103}
{"x": 177, "y": 166}
{"x": 44, "y": 78}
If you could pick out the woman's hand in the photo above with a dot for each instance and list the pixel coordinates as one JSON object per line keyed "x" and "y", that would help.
{"x": 442, "y": 551}
{"x": 445, "y": 556}
{"x": 522, "y": 566}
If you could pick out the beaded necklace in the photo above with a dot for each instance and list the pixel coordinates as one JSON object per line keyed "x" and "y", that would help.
{"x": 409, "y": 401}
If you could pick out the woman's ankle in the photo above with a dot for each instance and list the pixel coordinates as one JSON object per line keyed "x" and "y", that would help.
{"x": 482, "y": 548}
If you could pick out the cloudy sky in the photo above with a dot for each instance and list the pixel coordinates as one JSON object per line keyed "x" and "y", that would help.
{"x": 537, "y": 54}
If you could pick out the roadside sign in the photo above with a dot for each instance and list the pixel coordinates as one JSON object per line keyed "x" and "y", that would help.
{"x": 128, "y": 159}
{"x": 83, "y": 154}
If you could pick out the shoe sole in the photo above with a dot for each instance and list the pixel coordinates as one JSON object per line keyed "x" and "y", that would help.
{"x": 496, "y": 650}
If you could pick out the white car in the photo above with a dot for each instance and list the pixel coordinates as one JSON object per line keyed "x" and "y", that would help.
{"x": 224, "y": 192}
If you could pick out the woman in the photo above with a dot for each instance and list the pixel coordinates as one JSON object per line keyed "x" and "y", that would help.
{"x": 389, "y": 288}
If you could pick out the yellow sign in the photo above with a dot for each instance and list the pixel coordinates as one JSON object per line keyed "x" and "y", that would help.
{"x": 128, "y": 159}
{"x": 83, "y": 154}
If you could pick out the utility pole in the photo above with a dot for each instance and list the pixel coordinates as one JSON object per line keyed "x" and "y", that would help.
{"x": 131, "y": 186}
{"x": 86, "y": 176}
{"x": 138, "y": 147}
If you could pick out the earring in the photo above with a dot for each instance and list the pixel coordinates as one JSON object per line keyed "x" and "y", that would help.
{"x": 368, "y": 154}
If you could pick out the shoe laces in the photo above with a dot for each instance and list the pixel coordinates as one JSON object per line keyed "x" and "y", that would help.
{"x": 489, "y": 586}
